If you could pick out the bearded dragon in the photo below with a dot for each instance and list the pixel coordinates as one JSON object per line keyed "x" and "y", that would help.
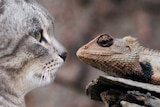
{"x": 124, "y": 58}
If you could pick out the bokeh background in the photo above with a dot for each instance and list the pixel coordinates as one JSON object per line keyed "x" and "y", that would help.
{"x": 79, "y": 21}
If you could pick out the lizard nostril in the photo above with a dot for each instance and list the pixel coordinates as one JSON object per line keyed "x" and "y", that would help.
{"x": 63, "y": 55}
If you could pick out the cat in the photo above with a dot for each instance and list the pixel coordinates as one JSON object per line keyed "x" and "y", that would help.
{"x": 29, "y": 54}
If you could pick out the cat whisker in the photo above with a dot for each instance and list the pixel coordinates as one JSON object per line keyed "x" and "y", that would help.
{"x": 42, "y": 77}
{"x": 47, "y": 78}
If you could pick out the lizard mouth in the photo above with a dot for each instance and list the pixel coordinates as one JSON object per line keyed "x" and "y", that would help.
{"x": 91, "y": 53}
{"x": 82, "y": 52}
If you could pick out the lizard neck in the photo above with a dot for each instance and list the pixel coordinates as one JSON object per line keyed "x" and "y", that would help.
{"x": 150, "y": 58}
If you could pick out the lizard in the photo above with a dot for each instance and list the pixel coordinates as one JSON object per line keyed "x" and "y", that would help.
{"x": 122, "y": 57}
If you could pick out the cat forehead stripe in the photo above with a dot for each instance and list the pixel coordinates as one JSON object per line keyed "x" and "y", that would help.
{"x": 2, "y": 2}
{"x": 27, "y": 1}
{"x": 45, "y": 18}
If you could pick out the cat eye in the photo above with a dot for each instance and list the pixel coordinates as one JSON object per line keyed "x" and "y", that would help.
{"x": 38, "y": 35}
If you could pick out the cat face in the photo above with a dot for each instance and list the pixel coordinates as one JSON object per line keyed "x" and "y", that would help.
{"x": 29, "y": 54}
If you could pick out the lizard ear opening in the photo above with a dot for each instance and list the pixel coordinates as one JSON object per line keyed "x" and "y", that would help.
{"x": 105, "y": 40}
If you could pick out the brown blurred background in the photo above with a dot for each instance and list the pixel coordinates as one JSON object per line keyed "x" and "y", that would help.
{"x": 79, "y": 21}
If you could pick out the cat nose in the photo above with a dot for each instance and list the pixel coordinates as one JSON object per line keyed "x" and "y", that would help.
{"x": 63, "y": 55}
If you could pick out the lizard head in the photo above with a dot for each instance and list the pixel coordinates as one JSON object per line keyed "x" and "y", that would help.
{"x": 112, "y": 55}
{"x": 103, "y": 45}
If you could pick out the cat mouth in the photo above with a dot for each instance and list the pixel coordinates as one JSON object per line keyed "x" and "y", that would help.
{"x": 47, "y": 72}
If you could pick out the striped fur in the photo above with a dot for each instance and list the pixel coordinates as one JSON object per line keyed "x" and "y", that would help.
{"x": 25, "y": 62}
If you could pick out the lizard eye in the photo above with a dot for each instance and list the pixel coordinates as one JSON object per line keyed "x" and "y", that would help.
{"x": 105, "y": 40}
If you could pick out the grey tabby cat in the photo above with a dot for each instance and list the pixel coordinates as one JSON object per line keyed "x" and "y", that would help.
{"x": 29, "y": 53}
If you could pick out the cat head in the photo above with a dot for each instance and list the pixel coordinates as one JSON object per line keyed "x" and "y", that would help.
{"x": 29, "y": 53}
